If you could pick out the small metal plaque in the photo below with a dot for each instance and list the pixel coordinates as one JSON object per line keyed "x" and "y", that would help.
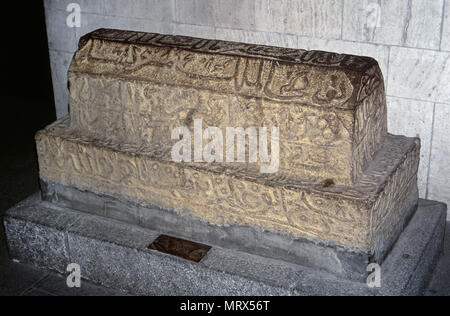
{"x": 179, "y": 247}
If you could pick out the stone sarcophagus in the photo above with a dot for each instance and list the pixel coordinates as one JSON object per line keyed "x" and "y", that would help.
{"x": 136, "y": 88}
{"x": 344, "y": 187}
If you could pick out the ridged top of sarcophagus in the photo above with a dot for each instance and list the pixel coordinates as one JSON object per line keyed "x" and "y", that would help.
{"x": 315, "y": 78}
{"x": 136, "y": 88}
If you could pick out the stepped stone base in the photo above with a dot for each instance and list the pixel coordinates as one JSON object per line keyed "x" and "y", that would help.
{"x": 115, "y": 254}
{"x": 365, "y": 218}
{"x": 338, "y": 260}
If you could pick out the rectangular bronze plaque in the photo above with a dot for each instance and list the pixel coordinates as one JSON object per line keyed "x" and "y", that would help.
{"x": 179, "y": 247}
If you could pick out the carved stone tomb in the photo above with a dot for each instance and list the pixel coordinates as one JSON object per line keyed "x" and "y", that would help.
{"x": 342, "y": 195}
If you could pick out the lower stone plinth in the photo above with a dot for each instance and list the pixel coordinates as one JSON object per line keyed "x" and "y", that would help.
{"x": 349, "y": 264}
{"x": 116, "y": 254}
{"x": 363, "y": 219}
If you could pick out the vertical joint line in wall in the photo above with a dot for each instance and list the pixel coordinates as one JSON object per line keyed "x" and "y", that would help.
{"x": 342, "y": 19}
{"x": 431, "y": 150}
{"x": 407, "y": 21}
{"x": 387, "y": 69}
{"x": 253, "y": 27}
{"x": 174, "y": 12}
{"x": 442, "y": 24}
{"x": 214, "y": 26}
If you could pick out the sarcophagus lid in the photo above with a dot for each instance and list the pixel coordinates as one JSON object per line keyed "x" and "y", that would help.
{"x": 135, "y": 88}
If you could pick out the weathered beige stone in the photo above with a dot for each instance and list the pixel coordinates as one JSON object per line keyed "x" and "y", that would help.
{"x": 358, "y": 217}
{"x": 342, "y": 180}
{"x": 136, "y": 87}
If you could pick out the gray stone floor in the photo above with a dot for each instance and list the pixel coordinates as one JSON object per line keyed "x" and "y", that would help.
{"x": 440, "y": 285}
{"x": 19, "y": 179}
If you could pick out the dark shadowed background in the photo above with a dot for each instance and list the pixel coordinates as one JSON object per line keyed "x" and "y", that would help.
{"x": 27, "y": 98}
